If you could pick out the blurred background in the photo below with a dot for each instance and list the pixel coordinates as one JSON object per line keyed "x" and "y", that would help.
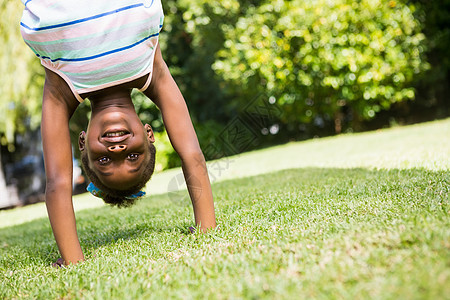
{"x": 254, "y": 74}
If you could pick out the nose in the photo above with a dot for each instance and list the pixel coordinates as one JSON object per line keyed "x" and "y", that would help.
{"x": 117, "y": 148}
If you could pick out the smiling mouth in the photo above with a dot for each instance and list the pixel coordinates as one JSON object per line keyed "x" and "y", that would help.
{"x": 115, "y": 136}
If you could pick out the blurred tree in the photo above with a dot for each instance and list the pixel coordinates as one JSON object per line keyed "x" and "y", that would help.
{"x": 21, "y": 80}
{"x": 319, "y": 58}
{"x": 193, "y": 33}
{"x": 434, "y": 86}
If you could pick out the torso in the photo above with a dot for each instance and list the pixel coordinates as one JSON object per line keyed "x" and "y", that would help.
{"x": 110, "y": 44}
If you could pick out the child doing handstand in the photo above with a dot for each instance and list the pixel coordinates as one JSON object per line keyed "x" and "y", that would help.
{"x": 101, "y": 50}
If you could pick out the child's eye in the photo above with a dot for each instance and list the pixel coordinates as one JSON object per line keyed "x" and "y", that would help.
{"x": 103, "y": 160}
{"x": 133, "y": 156}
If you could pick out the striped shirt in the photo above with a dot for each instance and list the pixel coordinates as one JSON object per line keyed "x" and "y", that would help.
{"x": 96, "y": 44}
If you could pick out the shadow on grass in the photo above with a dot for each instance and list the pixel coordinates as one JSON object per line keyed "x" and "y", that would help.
{"x": 33, "y": 242}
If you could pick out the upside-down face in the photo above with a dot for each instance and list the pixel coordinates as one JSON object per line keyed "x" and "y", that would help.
{"x": 117, "y": 145}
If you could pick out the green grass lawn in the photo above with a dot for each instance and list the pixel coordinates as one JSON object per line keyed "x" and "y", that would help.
{"x": 354, "y": 216}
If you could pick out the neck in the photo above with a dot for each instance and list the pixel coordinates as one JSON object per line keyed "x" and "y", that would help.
{"x": 110, "y": 99}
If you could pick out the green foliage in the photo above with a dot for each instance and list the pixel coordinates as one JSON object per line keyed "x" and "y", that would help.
{"x": 21, "y": 77}
{"x": 315, "y": 57}
{"x": 190, "y": 38}
{"x": 166, "y": 157}
{"x": 193, "y": 33}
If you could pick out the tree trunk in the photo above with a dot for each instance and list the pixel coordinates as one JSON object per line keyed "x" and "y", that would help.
{"x": 3, "y": 191}
{"x": 8, "y": 195}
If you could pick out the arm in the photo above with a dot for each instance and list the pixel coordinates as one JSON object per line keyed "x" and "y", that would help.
{"x": 57, "y": 107}
{"x": 165, "y": 94}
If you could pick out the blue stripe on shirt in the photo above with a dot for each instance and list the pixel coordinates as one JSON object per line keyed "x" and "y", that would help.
{"x": 81, "y": 20}
{"x": 101, "y": 54}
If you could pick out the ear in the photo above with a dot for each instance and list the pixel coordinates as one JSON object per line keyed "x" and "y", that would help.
{"x": 150, "y": 135}
{"x": 82, "y": 141}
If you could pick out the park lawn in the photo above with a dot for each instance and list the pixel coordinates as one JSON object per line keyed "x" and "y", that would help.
{"x": 343, "y": 229}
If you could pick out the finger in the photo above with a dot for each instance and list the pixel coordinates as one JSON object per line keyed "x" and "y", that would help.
{"x": 59, "y": 263}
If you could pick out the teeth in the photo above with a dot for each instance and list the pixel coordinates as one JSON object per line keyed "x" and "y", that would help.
{"x": 113, "y": 134}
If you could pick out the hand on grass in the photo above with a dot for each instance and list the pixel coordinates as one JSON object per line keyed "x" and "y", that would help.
{"x": 193, "y": 230}
{"x": 59, "y": 263}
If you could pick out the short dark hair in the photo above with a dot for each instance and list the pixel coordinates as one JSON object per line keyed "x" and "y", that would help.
{"x": 117, "y": 197}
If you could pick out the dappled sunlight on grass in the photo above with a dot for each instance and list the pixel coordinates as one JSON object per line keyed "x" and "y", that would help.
{"x": 419, "y": 146}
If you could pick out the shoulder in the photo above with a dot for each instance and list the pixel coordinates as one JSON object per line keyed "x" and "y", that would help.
{"x": 56, "y": 90}
{"x": 57, "y": 86}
